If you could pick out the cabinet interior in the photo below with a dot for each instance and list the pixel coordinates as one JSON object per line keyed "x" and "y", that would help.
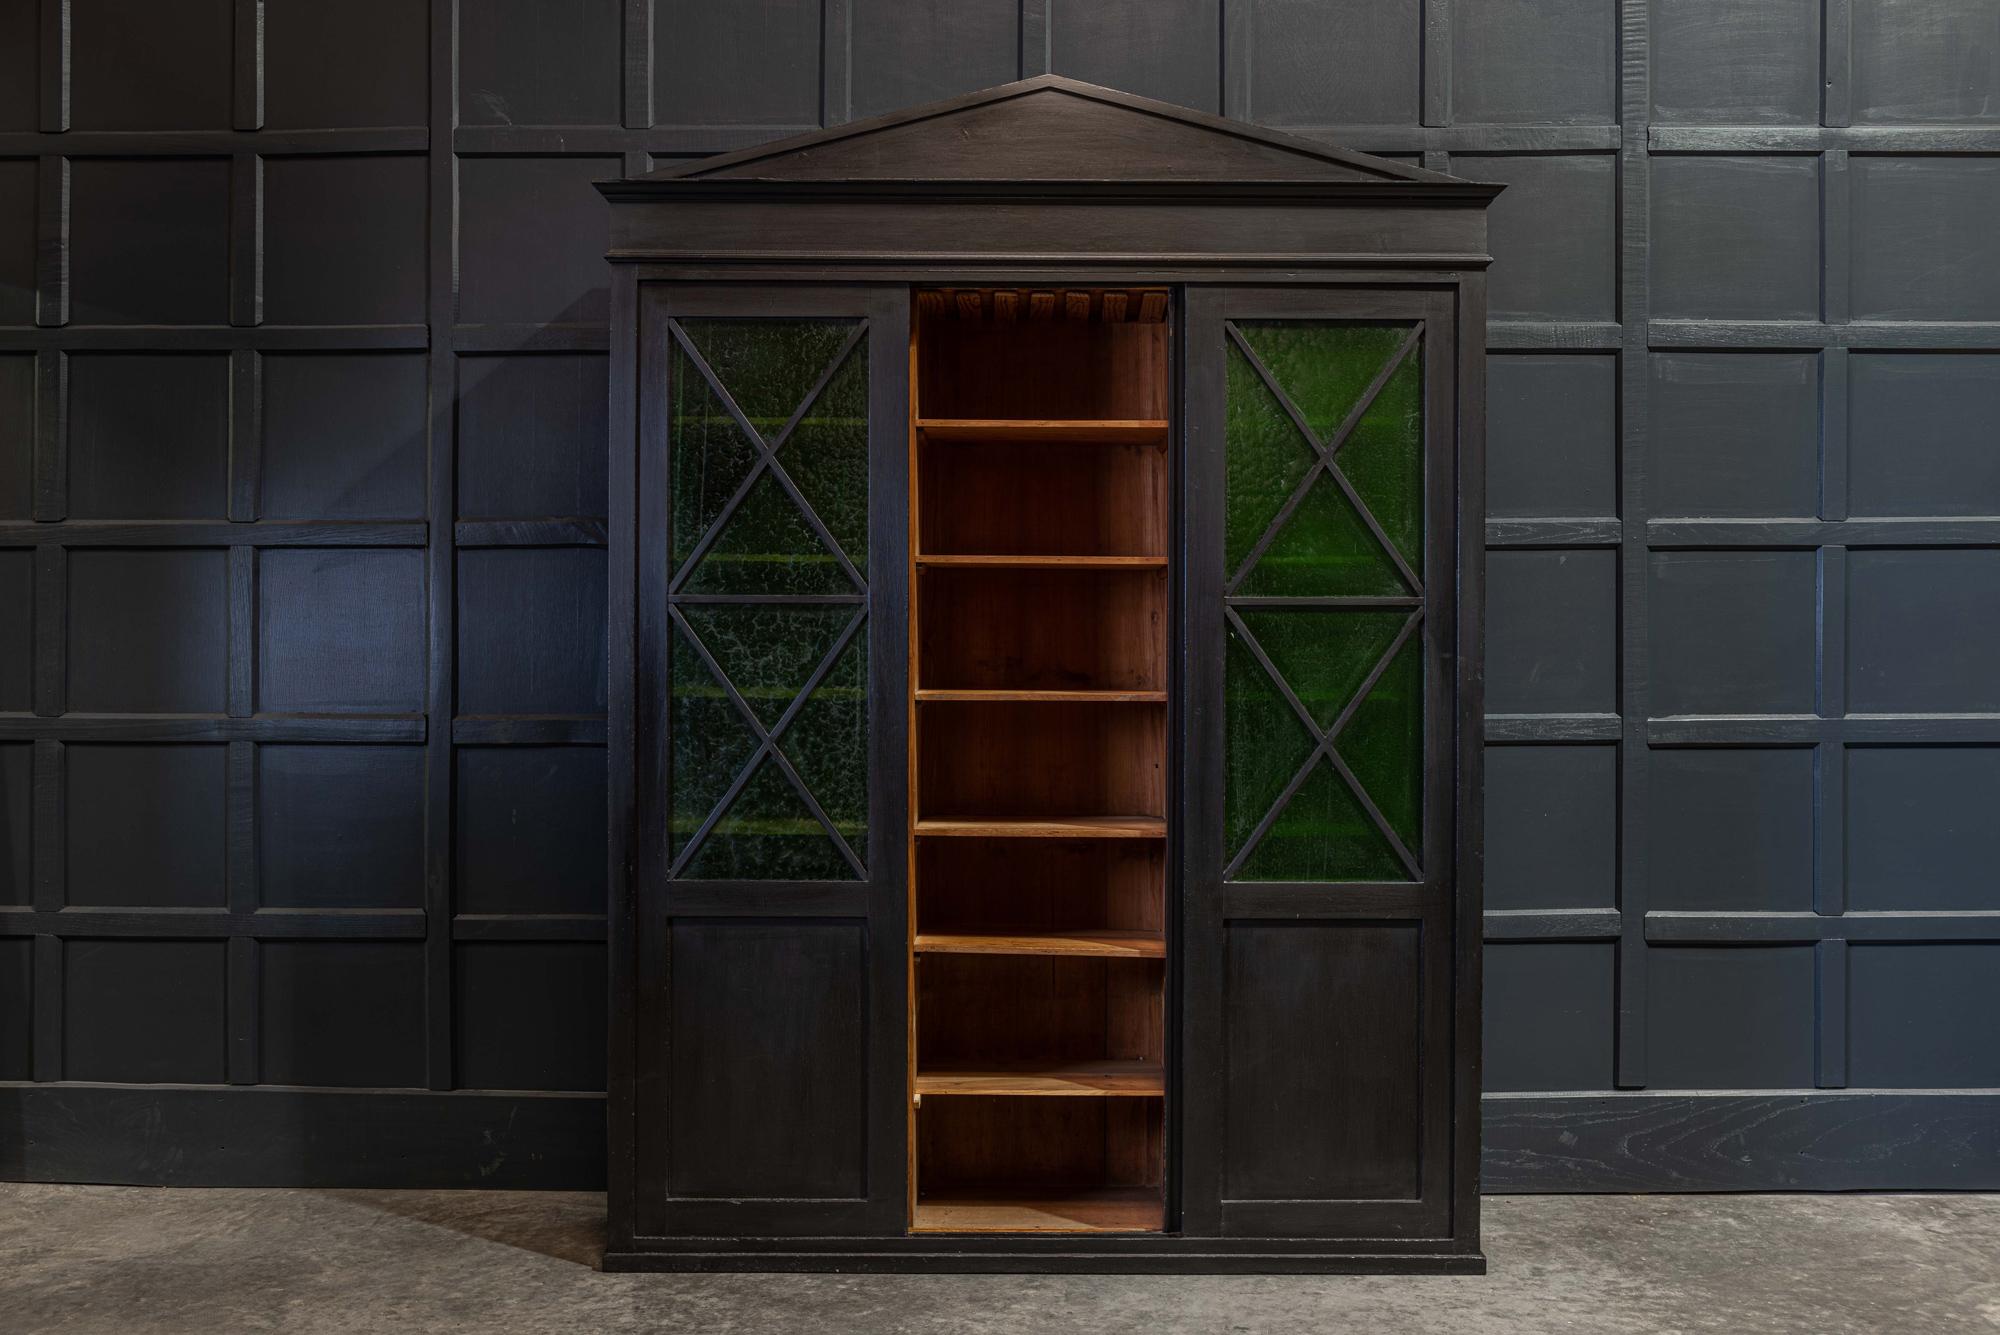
{"x": 1040, "y": 510}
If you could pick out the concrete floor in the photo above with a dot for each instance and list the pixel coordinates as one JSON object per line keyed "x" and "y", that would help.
{"x": 136, "y": 1261}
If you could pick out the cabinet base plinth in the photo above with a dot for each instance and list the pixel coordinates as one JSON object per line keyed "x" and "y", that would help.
{"x": 1077, "y": 1255}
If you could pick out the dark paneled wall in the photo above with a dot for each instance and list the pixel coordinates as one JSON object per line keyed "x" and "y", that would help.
{"x": 302, "y": 336}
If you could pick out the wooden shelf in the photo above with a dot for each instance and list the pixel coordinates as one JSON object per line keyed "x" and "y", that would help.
{"x": 1065, "y": 431}
{"x": 1042, "y": 562}
{"x": 1108, "y": 944}
{"x": 940, "y": 696}
{"x": 1051, "y": 1210}
{"x": 1091, "y": 1080}
{"x": 1049, "y": 827}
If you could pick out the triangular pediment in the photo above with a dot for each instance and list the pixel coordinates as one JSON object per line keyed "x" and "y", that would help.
{"x": 1050, "y": 129}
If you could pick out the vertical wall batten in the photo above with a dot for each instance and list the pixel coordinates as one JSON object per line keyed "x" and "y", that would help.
{"x": 1634, "y": 552}
{"x": 441, "y": 566}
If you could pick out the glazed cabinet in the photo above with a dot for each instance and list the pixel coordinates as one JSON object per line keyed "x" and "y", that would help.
{"x": 1045, "y": 681}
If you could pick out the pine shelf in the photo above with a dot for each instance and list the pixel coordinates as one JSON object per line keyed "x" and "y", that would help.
{"x": 1107, "y": 944}
{"x": 1047, "y": 827}
{"x": 1055, "y": 1209}
{"x": 1091, "y": 1080}
{"x": 1042, "y": 562}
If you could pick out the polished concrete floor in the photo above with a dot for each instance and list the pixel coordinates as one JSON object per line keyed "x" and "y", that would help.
{"x": 136, "y": 1261}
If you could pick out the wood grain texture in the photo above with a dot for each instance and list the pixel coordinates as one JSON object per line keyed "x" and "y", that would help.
{"x": 1108, "y": 943}
{"x": 1122, "y": 1079}
{"x": 1105, "y": 1210}
{"x": 1796, "y": 1140}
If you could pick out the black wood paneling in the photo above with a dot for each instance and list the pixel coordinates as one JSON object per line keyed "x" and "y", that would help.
{"x": 420, "y": 393}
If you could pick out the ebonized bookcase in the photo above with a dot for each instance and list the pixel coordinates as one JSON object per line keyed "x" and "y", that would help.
{"x": 1045, "y": 686}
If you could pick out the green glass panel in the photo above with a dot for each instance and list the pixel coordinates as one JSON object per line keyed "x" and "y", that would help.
{"x": 768, "y": 835}
{"x": 1322, "y": 367}
{"x": 1264, "y": 746}
{"x": 828, "y": 744}
{"x": 1384, "y": 458}
{"x": 1383, "y": 743}
{"x": 708, "y": 741}
{"x": 827, "y": 456}
{"x": 767, "y": 547}
{"x": 1266, "y": 458}
{"x": 1323, "y": 835}
{"x": 1324, "y": 550}
{"x": 1324, "y": 656}
{"x": 768, "y": 366}
{"x": 767, "y": 650}
{"x": 709, "y": 456}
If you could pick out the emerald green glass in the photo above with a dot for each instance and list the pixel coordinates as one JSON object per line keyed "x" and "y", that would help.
{"x": 1383, "y": 744}
{"x": 1384, "y": 458}
{"x": 1324, "y": 550}
{"x": 1324, "y": 656}
{"x": 1322, "y": 367}
{"x": 768, "y": 835}
{"x": 708, "y": 455}
{"x": 708, "y": 742}
{"x": 767, "y": 650}
{"x": 1267, "y": 457}
{"x": 768, "y": 366}
{"x": 1264, "y": 746}
{"x": 827, "y": 743}
{"x": 1323, "y": 835}
{"x": 767, "y": 548}
{"x": 827, "y": 456}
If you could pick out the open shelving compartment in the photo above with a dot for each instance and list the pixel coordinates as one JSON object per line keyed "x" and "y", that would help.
{"x": 1040, "y": 512}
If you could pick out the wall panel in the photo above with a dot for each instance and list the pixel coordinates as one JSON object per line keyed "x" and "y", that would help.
{"x": 301, "y": 505}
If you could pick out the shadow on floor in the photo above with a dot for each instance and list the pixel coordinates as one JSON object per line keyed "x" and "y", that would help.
{"x": 562, "y": 1225}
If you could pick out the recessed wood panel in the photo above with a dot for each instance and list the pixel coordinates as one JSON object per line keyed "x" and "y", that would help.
{"x": 17, "y": 1015}
{"x": 344, "y": 436}
{"x": 531, "y": 631}
{"x": 1734, "y": 238}
{"x": 1733, "y": 632}
{"x": 17, "y": 435}
{"x": 1022, "y": 761}
{"x": 530, "y": 829}
{"x": 143, "y": 1012}
{"x": 17, "y": 609}
{"x": 1532, "y": 62}
{"x": 339, "y": 1012}
{"x": 18, "y": 200}
{"x": 1552, "y": 827}
{"x": 145, "y": 825}
{"x": 1552, "y": 435}
{"x": 1324, "y": 1065}
{"x": 737, "y": 64}
{"x": 750, "y": 1066}
{"x": 1730, "y": 1017}
{"x": 340, "y": 630}
{"x": 17, "y": 761}
{"x": 539, "y": 62}
{"x": 526, "y": 1012}
{"x": 1733, "y": 829}
{"x": 358, "y": 261}
{"x": 356, "y": 63}
{"x": 340, "y": 826}
{"x": 148, "y": 630}
{"x": 173, "y": 270}
{"x": 148, "y": 436}
{"x": 530, "y": 435}
{"x": 531, "y": 240}
{"x": 20, "y": 84}
{"x": 161, "y": 65}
